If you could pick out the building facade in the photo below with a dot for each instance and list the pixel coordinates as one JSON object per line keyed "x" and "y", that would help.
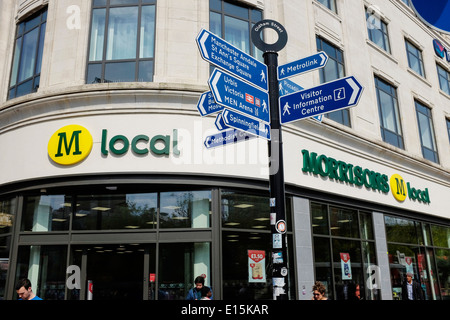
{"x": 109, "y": 191}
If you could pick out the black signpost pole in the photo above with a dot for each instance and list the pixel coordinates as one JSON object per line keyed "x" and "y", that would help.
{"x": 276, "y": 172}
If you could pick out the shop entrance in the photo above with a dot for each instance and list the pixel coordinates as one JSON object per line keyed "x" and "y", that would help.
{"x": 115, "y": 271}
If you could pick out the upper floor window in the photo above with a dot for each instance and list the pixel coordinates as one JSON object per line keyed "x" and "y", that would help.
{"x": 122, "y": 41}
{"x": 391, "y": 130}
{"x": 330, "y": 4}
{"x": 444, "y": 79}
{"x": 233, "y": 22}
{"x": 378, "y": 32}
{"x": 426, "y": 132}
{"x": 415, "y": 60}
{"x": 27, "y": 61}
{"x": 448, "y": 128}
{"x": 334, "y": 69}
{"x": 407, "y": 2}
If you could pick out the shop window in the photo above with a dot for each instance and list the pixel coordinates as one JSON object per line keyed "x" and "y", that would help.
{"x": 27, "y": 60}
{"x": 330, "y": 4}
{"x": 115, "y": 211}
{"x": 45, "y": 267}
{"x": 179, "y": 265}
{"x": 403, "y": 230}
{"x": 185, "y": 209}
{"x": 443, "y": 267}
{"x": 122, "y": 41}
{"x": 344, "y": 248}
{"x": 378, "y": 31}
{"x": 441, "y": 236}
{"x": 233, "y": 21}
{"x": 46, "y": 213}
{"x": 334, "y": 69}
{"x": 444, "y": 79}
{"x": 7, "y": 212}
{"x": 426, "y": 132}
{"x": 391, "y": 130}
{"x": 5, "y": 242}
{"x": 415, "y": 59}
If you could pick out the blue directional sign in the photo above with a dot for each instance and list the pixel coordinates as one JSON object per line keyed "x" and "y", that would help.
{"x": 434, "y": 13}
{"x": 227, "y": 137}
{"x": 240, "y": 96}
{"x": 217, "y": 51}
{"x": 310, "y": 63}
{"x": 206, "y": 104}
{"x": 220, "y": 124}
{"x": 286, "y": 86}
{"x": 331, "y": 96}
{"x": 249, "y": 125}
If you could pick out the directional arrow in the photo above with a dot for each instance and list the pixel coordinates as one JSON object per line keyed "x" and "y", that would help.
{"x": 220, "y": 124}
{"x": 240, "y": 96}
{"x": 310, "y": 63}
{"x": 331, "y": 96}
{"x": 249, "y": 125}
{"x": 206, "y": 104}
{"x": 224, "y": 55}
{"x": 227, "y": 137}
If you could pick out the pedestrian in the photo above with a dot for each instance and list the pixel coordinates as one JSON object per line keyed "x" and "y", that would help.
{"x": 206, "y": 293}
{"x": 196, "y": 292}
{"x": 411, "y": 289}
{"x": 23, "y": 289}
{"x": 319, "y": 291}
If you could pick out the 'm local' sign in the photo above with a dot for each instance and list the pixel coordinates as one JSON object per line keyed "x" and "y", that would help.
{"x": 331, "y": 96}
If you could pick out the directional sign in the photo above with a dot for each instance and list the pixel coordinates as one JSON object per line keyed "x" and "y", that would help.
{"x": 331, "y": 96}
{"x": 240, "y": 96}
{"x": 217, "y": 51}
{"x": 252, "y": 126}
{"x": 206, "y": 104}
{"x": 310, "y": 63}
{"x": 220, "y": 123}
{"x": 227, "y": 137}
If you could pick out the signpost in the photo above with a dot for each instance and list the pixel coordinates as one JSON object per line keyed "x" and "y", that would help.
{"x": 240, "y": 96}
{"x": 249, "y": 94}
{"x": 331, "y": 96}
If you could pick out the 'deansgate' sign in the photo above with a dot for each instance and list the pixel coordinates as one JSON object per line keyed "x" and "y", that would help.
{"x": 359, "y": 176}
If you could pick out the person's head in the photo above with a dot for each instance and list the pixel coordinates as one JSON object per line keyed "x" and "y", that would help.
{"x": 206, "y": 292}
{"x": 409, "y": 276}
{"x": 199, "y": 282}
{"x": 23, "y": 289}
{"x": 319, "y": 291}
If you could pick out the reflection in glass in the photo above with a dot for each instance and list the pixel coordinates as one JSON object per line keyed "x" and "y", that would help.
{"x": 7, "y": 211}
{"x": 121, "y": 211}
{"x": 179, "y": 265}
{"x": 4, "y": 263}
{"x": 122, "y": 33}
{"x": 46, "y": 213}
{"x": 45, "y": 266}
{"x": 185, "y": 209}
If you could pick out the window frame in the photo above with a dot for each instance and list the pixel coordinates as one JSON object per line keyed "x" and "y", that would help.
{"x": 444, "y": 79}
{"x": 17, "y": 65}
{"x": 137, "y": 60}
{"x": 384, "y": 33}
{"x": 418, "y": 57}
{"x": 418, "y": 105}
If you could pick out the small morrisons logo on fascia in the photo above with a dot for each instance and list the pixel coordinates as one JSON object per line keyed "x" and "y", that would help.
{"x": 70, "y": 145}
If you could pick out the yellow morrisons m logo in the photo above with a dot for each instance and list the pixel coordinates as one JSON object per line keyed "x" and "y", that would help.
{"x": 70, "y": 145}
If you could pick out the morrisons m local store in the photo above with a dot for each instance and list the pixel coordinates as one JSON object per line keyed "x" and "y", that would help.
{"x": 150, "y": 198}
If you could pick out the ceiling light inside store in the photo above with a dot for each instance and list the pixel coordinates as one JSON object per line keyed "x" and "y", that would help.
{"x": 101, "y": 208}
{"x": 243, "y": 206}
{"x": 171, "y": 207}
{"x": 232, "y": 223}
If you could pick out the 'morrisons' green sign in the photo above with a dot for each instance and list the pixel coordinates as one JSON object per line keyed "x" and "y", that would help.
{"x": 359, "y": 176}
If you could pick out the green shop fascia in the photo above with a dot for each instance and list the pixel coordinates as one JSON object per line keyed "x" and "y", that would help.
{"x": 357, "y": 175}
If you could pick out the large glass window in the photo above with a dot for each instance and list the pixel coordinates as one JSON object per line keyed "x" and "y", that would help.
{"x": 444, "y": 79}
{"x": 421, "y": 249}
{"x": 7, "y": 214}
{"x": 378, "y": 31}
{"x": 415, "y": 60}
{"x": 391, "y": 130}
{"x": 334, "y": 69}
{"x": 27, "y": 60}
{"x": 330, "y": 4}
{"x": 426, "y": 132}
{"x": 233, "y": 22}
{"x": 45, "y": 267}
{"x": 122, "y": 41}
{"x": 344, "y": 248}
